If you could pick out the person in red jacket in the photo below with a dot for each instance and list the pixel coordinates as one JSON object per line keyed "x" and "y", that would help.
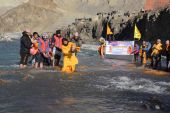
{"x": 48, "y": 52}
{"x": 57, "y": 44}
{"x": 39, "y": 57}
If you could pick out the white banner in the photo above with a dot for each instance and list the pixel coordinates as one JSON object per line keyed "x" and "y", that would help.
{"x": 119, "y": 47}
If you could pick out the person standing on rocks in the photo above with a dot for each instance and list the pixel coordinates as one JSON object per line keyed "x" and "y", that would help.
{"x": 25, "y": 46}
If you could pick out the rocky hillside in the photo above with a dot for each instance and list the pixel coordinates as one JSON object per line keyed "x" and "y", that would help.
{"x": 47, "y": 15}
{"x": 28, "y": 15}
{"x": 6, "y": 5}
{"x": 94, "y": 6}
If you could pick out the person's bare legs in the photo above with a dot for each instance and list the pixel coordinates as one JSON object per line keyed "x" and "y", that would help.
{"x": 21, "y": 66}
{"x": 36, "y": 65}
{"x": 41, "y": 65}
{"x": 56, "y": 62}
{"x": 53, "y": 61}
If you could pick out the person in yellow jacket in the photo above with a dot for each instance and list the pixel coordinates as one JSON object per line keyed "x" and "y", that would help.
{"x": 142, "y": 53}
{"x": 156, "y": 54}
{"x": 69, "y": 58}
{"x": 145, "y": 52}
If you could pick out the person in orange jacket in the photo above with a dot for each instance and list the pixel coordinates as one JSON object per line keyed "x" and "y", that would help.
{"x": 34, "y": 49}
{"x": 39, "y": 57}
{"x": 101, "y": 49}
{"x": 69, "y": 58}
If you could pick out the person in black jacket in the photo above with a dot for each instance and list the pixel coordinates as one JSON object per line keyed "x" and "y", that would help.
{"x": 25, "y": 46}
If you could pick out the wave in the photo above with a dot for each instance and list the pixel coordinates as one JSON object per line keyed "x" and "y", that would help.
{"x": 138, "y": 85}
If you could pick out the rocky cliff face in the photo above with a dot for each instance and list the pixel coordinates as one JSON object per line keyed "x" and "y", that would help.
{"x": 6, "y": 5}
{"x": 42, "y": 15}
{"x": 152, "y": 25}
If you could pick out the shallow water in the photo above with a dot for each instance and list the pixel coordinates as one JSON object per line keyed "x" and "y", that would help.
{"x": 98, "y": 86}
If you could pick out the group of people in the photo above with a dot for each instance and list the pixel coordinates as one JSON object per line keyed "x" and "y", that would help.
{"x": 49, "y": 49}
{"x": 146, "y": 53}
{"x": 153, "y": 53}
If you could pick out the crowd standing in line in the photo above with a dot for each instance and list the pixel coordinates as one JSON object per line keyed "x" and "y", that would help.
{"x": 47, "y": 49}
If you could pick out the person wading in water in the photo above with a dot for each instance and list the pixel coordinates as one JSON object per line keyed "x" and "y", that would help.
{"x": 57, "y": 43}
{"x": 25, "y": 46}
{"x": 69, "y": 58}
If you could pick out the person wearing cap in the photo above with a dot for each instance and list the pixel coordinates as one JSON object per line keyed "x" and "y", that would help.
{"x": 156, "y": 54}
{"x": 101, "y": 49}
{"x": 57, "y": 43}
{"x": 25, "y": 46}
{"x": 69, "y": 58}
